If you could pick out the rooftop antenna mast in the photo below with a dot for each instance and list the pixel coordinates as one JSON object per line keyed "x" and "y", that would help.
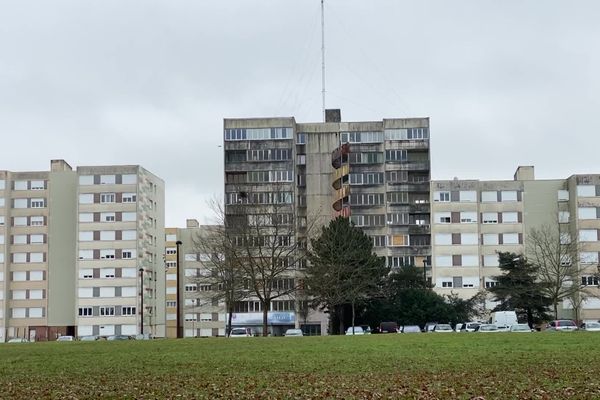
{"x": 323, "y": 56}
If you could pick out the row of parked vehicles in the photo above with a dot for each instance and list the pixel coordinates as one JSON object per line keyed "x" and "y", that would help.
{"x": 556, "y": 325}
{"x": 90, "y": 338}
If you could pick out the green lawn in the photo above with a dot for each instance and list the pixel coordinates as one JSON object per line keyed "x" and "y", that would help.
{"x": 426, "y": 366}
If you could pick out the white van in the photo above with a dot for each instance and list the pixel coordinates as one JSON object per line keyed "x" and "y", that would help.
{"x": 504, "y": 320}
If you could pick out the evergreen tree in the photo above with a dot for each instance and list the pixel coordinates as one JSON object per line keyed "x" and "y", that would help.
{"x": 343, "y": 268}
{"x": 518, "y": 289}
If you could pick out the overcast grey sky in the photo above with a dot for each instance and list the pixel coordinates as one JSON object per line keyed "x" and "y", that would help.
{"x": 505, "y": 83}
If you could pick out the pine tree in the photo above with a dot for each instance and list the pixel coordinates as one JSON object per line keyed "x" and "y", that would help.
{"x": 343, "y": 268}
{"x": 518, "y": 289}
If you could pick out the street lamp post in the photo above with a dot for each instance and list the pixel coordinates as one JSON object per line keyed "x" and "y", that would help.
{"x": 179, "y": 327}
{"x": 425, "y": 272}
{"x": 141, "y": 301}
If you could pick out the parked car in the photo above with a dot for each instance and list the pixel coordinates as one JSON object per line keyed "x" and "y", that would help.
{"x": 442, "y": 328}
{"x": 488, "y": 328}
{"x": 18, "y": 340}
{"x": 240, "y": 332}
{"x": 521, "y": 328}
{"x": 411, "y": 329}
{"x": 89, "y": 338}
{"x": 145, "y": 336}
{"x": 562, "y": 325}
{"x": 366, "y": 329}
{"x": 294, "y": 332}
{"x": 388, "y": 327}
{"x": 118, "y": 337}
{"x": 354, "y": 330}
{"x": 429, "y": 326}
{"x": 65, "y": 338}
{"x": 590, "y": 326}
{"x": 469, "y": 327}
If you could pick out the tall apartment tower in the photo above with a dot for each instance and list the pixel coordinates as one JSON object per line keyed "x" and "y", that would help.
{"x": 377, "y": 173}
{"x": 473, "y": 220}
{"x": 202, "y": 311}
{"x": 62, "y": 241}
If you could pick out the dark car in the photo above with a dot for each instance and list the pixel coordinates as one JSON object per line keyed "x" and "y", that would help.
{"x": 388, "y": 327}
{"x": 562, "y": 325}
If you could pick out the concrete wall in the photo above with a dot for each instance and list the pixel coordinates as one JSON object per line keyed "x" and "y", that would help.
{"x": 62, "y": 255}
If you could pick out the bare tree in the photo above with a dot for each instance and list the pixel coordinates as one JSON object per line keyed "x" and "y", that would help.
{"x": 554, "y": 251}
{"x": 267, "y": 244}
{"x": 225, "y": 279}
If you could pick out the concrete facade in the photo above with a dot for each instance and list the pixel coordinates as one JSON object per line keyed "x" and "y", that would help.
{"x": 202, "y": 312}
{"x": 381, "y": 183}
{"x": 71, "y": 247}
{"x": 494, "y": 216}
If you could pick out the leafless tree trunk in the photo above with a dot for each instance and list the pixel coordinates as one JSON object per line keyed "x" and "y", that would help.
{"x": 555, "y": 251}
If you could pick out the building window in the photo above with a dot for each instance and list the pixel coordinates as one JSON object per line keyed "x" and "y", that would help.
{"x": 510, "y": 217}
{"x": 489, "y": 196}
{"x": 129, "y": 179}
{"x": 107, "y": 198}
{"x": 490, "y": 218}
{"x": 85, "y": 311}
{"x": 589, "y": 281}
{"x": 586, "y": 190}
{"x": 441, "y": 196}
{"x": 107, "y": 311}
{"x": 128, "y": 254}
{"x": 128, "y": 310}
{"x": 446, "y": 284}
{"x": 86, "y": 179}
{"x": 563, "y": 195}
{"x": 87, "y": 273}
{"x": 107, "y": 254}
{"x": 191, "y": 287}
{"x": 468, "y": 217}
{"x": 588, "y": 235}
{"x": 467, "y": 196}
{"x": 107, "y": 179}
{"x": 129, "y": 198}
{"x": 508, "y": 195}
{"x": 38, "y": 203}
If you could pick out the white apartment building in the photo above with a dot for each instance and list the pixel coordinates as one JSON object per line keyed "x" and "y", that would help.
{"x": 202, "y": 310}
{"x": 72, "y": 243}
{"x": 473, "y": 220}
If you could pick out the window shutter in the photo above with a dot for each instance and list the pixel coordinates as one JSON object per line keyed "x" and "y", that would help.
{"x": 119, "y": 253}
{"x": 96, "y": 235}
{"x": 456, "y": 260}
{"x": 455, "y": 217}
{"x": 119, "y": 197}
{"x": 96, "y": 254}
{"x": 456, "y": 238}
{"x": 118, "y": 235}
{"x": 96, "y": 217}
{"x": 118, "y": 216}
{"x": 97, "y": 196}
{"x": 500, "y": 237}
{"x": 96, "y": 273}
{"x": 118, "y": 179}
{"x": 96, "y": 179}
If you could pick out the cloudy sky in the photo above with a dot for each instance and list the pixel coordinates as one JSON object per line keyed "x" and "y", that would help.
{"x": 505, "y": 83}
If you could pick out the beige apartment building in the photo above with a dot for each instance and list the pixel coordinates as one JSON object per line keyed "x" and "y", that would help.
{"x": 202, "y": 310}
{"x": 375, "y": 172}
{"x": 472, "y": 220}
{"x": 76, "y": 249}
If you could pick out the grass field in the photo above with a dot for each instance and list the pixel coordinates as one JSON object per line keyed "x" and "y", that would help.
{"x": 426, "y": 366}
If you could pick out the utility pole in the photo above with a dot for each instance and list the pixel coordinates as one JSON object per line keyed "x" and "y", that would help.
{"x": 323, "y": 56}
